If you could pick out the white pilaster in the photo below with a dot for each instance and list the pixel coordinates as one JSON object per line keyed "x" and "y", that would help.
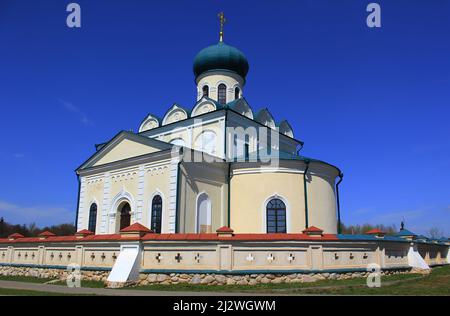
{"x": 106, "y": 203}
{"x": 82, "y": 204}
{"x": 221, "y": 138}
{"x": 173, "y": 182}
{"x": 140, "y": 196}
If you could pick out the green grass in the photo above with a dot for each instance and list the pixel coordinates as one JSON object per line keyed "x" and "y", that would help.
{"x": 14, "y": 292}
{"x": 437, "y": 283}
{"x": 24, "y": 279}
{"x": 248, "y": 288}
{"x": 89, "y": 284}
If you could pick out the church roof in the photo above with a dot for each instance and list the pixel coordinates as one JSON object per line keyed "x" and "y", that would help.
{"x": 221, "y": 57}
{"x": 274, "y": 154}
{"x": 404, "y": 233}
{"x": 230, "y": 106}
{"x": 105, "y": 148}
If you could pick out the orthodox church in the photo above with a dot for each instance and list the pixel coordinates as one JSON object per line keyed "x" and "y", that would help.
{"x": 217, "y": 163}
{"x": 216, "y": 188}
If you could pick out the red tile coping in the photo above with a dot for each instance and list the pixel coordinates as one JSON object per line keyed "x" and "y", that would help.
{"x": 84, "y": 232}
{"x": 239, "y": 237}
{"x": 136, "y": 228}
{"x": 171, "y": 237}
{"x": 375, "y": 232}
{"x": 15, "y": 236}
{"x": 313, "y": 229}
{"x": 46, "y": 234}
{"x": 224, "y": 229}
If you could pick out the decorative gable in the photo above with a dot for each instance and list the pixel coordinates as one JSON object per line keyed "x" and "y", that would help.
{"x": 125, "y": 149}
{"x": 203, "y": 106}
{"x": 264, "y": 117}
{"x": 175, "y": 114}
{"x": 149, "y": 123}
{"x": 286, "y": 129}
{"x": 123, "y": 146}
{"x": 242, "y": 107}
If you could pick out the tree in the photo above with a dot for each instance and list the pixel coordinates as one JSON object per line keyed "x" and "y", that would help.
{"x": 362, "y": 229}
{"x": 32, "y": 229}
{"x": 2, "y": 224}
{"x": 435, "y": 233}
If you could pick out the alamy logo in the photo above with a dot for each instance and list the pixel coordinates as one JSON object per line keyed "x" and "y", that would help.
{"x": 374, "y": 277}
{"x": 74, "y": 18}
{"x": 249, "y": 144}
{"x": 374, "y": 18}
{"x": 74, "y": 275}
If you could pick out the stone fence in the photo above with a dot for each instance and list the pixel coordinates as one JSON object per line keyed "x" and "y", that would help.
{"x": 191, "y": 258}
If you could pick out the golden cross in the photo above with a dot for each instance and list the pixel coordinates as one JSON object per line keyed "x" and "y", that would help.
{"x": 222, "y": 23}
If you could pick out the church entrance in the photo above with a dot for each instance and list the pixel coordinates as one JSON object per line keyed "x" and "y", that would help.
{"x": 125, "y": 215}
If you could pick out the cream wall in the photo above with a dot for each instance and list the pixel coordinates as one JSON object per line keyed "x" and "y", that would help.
{"x": 322, "y": 210}
{"x": 196, "y": 179}
{"x": 252, "y": 188}
{"x": 157, "y": 182}
{"x": 125, "y": 149}
{"x": 93, "y": 193}
{"x": 250, "y": 194}
{"x": 213, "y": 79}
{"x": 136, "y": 185}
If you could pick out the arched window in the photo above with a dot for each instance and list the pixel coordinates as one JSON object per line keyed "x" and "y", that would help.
{"x": 125, "y": 216}
{"x": 222, "y": 94}
{"x": 237, "y": 93}
{"x": 276, "y": 216}
{"x": 156, "y": 214}
{"x": 178, "y": 142}
{"x": 92, "y": 218}
{"x": 203, "y": 214}
{"x": 205, "y": 90}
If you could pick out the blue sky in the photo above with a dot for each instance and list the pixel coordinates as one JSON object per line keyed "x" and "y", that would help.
{"x": 375, "y": 102}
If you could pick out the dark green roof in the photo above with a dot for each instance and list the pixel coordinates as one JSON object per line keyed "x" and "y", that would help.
{"x": 221, "y": 57}
{"x": 405, "y": 232}
{"x": 263, "y": 155}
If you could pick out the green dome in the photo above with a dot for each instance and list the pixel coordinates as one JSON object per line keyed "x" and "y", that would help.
{"x": 221, "y": 57}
